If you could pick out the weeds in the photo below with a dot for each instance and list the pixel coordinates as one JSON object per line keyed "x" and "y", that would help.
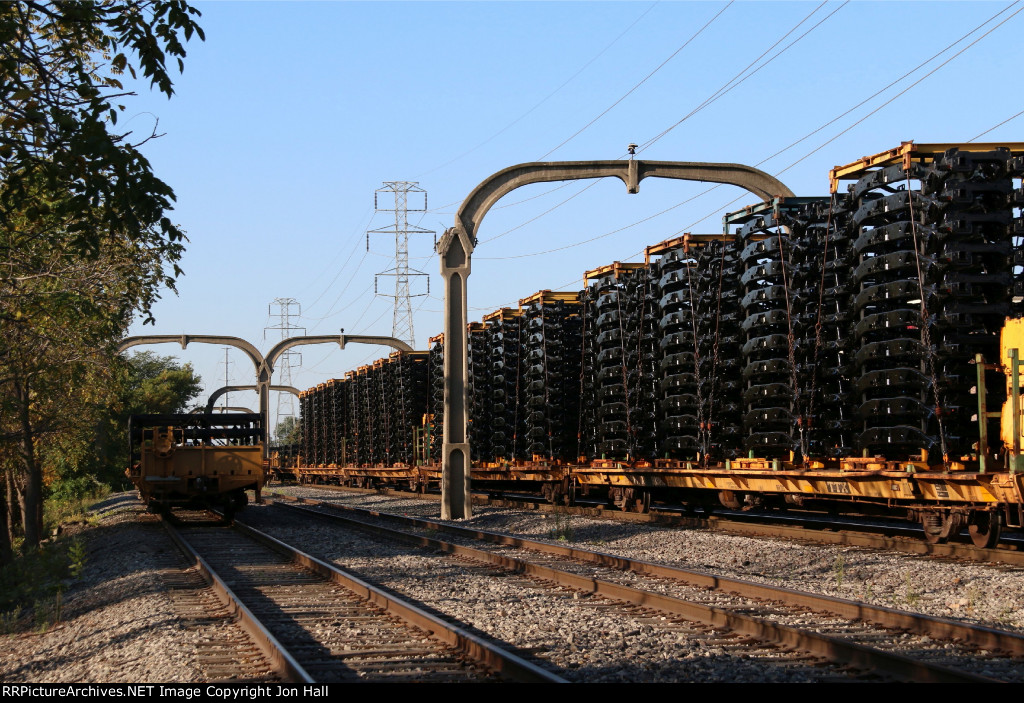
{"x": 49, "y": 610}
{"x": 562, "y": 529}
{"x": 910, "y": 595}
{"x": 32, "y": 587}
{"x": 973, "y": 594}
{"x": 840, "y": 569}
{"x": 76, "y": 558}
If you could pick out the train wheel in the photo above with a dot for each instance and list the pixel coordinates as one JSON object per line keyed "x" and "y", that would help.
{"x": 620, "y": 497}
{"x": 984, "y": 528}
{"x": 938, "y": 528}
{"x": 729, "y": 500}
{"x": 642, "y": 502}
{"x": 569, "y": 492}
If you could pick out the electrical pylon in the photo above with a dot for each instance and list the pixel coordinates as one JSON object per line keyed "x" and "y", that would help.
{"x": 287, "y": 310}
{"x": 227, "y": 380}
{"x": 401, "y": 322}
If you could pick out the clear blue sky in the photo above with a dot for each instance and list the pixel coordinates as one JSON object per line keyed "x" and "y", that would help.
{"x": 291, "y": 114}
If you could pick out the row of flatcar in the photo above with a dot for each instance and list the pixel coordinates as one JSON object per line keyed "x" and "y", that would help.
{"x": 821, "y": 349}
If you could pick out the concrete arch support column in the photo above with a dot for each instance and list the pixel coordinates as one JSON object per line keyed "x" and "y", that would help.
{"x": 455, "y": 268}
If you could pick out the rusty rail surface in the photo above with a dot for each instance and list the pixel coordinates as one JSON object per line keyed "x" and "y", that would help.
{"x": 508, "y": 665}
{"x": 283, "y": 663}
{"x": 822, "y": 531}
{"x": 833, "y": 648}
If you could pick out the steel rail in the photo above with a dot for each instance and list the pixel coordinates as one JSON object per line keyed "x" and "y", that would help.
{"x": 497, "y": 659}
{"x": 283, "y": 663}
{"x": 832, "y": 648}
{"x": 978, "y": 635}
{"x": 1007, "y": 554}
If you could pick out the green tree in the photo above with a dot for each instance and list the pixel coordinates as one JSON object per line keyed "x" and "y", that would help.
{"x": 288, "y": 431}
{"x": 141, "y": 383}
{"x": 158, "y": 384}
{"x": 61, "y": 71}
{"x": 85, "y": 240}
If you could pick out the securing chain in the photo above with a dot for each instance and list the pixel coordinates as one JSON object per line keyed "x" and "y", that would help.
{"x": 926, "y": 338}
{"x": 790, "y": 338}
{"x": 701, "y": 419}
{"x": 808, "y": 420}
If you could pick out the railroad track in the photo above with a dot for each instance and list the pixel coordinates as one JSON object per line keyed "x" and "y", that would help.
{"x": 318, "y": 624}
{"x": 819, "y": 529}
{"x": 224, "y": 651}
{"x": 885, "y": 641}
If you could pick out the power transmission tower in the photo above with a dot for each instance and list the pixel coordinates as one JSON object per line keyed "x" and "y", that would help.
{"x": 401, "y": 323}
{"x": 227, "y": 380}
{"x": 286, "y": 311}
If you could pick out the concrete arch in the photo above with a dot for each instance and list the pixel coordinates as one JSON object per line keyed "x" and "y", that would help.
{"x": 500, "y": 184}
{"x": 233, "y": 389}
{"x": 229, "y": 409}
{"x": 264, "y": 365}
{"x": 456, "y": 252}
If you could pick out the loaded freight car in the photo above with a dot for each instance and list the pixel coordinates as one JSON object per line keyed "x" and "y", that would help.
{"x": 832, "y": 350}
{"x": 194, "y": 460}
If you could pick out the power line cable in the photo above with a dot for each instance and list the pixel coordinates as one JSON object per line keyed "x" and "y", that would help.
{"x": 644, "y": 80}
{"x": 367, "y": 217}
{"x": 825, "y": 125}
{"x": 600, "y": 236}
{"x": 553, "y": 207}
{"x": 830, "y": 122}
{"x": 723, "y": 90}
{"x": 890, "y": 85}
{"x": 330, "y": 311}
{"x": 546, "y": 98}
{"x": 1008, "y": 119}
{"x": 904, "y": 91}
{"x": 736, "y": 81}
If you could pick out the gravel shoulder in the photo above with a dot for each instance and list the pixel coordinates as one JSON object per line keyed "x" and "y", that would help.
{"x": 118, "y": 623}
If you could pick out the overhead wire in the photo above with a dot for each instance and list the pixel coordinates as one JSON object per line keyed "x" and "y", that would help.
{"x": 548, "y": 96}
{"x": 911, "y": 86}
{"x": 644, "y": 80}
{"x": 717, "y": 94}
{"x": 441, "y": 209}
{"x": 824, "y": 126}
{"x": 1008, "y": 119}
{"x": 724, "y": 89}
{"x": 805, "y": 137}
{"x": 331, "y": 263}
{"x": 600, "y": 236}
{"x": 552, "y": 208}
{"x": 330, "y": 311}
{"x": 736, "y": 81}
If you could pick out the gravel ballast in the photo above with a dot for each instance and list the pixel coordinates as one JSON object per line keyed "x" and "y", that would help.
{"x": 119, "y": 621}
{"x": 119, "y": 624}
{"x": 988, "y": 594}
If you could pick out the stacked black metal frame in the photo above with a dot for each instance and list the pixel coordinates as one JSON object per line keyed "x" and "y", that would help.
{"x": 551, "y": 375}
{"x": 503, "y": 340}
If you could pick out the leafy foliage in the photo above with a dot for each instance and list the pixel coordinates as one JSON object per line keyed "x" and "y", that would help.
{"x": 158, "y": 384}
{"x": 85, "y": 240}
{"x": 60, "y": 80}
{"x": 288, "y": 431}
